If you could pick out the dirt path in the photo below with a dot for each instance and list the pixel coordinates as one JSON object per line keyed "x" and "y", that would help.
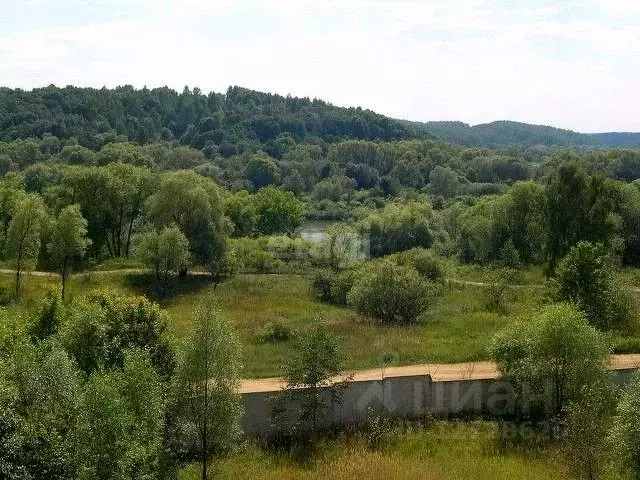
{"x": 438, "y": 372}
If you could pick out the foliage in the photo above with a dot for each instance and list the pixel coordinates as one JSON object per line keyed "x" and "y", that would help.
{"x": 342, "y": 246}
{"x": 311, "y": 374}
{"x": 99, "y": 329}
{"x": 68, "y": 240}
{"x": 241, "y": 210}
{"x": 585, "y": 277}
{"x": 557, "y": 349}
{"x": 400, "y": 227}
{"x": 39, "y": 401}
{"x": 47, "y": 316}
{"x": 323, "y": 281}
{"x": 276, "y": 331}
{"x": 207, "y": 381}
{"x": 423, "y": 260}
{"x": 165, "y": 252}
{"x": 278, "y": 211}
{"x": 23, "y": 235}
{"x": 586, "y": 446}
{"x": 194, "y": 204}
{"x": 625, "y": 432}
{"x": 391, "y": 293}
{"x": 121, "y": 425}
{"x": 578, "y": 207}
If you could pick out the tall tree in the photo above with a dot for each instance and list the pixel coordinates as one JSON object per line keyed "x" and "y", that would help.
{"x": 165, "y": 252}
{"x": 578, "y": 207}
{"x": 278, "y": 211}
{"x": 207, "y": 380}
{"x": 311, "y": 377}
{"x": 193, "y": 203}
{"x": 23, "y": 235}
{"x": 68, "y": 241}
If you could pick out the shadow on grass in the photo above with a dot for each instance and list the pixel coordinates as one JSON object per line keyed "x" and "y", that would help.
{"x": 146, "y": 284}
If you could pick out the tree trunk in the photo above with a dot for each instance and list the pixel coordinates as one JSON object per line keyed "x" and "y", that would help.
{"x": 18, "y": 268}
{"x": 63, "y": 276}
{"x": 18, "y": 284}
{"x": 128, "y": 244}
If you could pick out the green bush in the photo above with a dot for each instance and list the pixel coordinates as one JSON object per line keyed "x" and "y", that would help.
{"x": 275, "y": 332}
{"x": 423, "y": 261}
{"x": 323, "y": 281}
{"x": 585, "y": 277}
{"x": 391, "y": 293}
{"x": 342, "y": 285}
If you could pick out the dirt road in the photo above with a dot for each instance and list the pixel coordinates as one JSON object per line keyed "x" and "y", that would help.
{"x": 438, "y": 372}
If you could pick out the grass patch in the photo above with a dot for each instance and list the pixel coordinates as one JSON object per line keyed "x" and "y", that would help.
{"x": 457, "y": 328}
{"x": 445, "y": 451}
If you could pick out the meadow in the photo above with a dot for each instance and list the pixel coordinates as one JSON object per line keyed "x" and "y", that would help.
{"x": 444, "y": 451}
{"x": 457, "y": 328}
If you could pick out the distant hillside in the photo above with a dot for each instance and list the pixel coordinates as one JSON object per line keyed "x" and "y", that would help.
{"x": 506, "y": 133}
{"x": 227, "y": 123}
{"x": 245, "y": 120}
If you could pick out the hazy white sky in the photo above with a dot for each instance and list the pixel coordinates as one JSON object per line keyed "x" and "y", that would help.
{"x": 567, "y": 63}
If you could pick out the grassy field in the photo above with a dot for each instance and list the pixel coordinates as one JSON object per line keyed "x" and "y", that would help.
{"x": 457, "y": 328}
{"x": 445, "y": 451}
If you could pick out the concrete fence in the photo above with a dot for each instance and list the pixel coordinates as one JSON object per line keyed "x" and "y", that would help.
{"x": 409, "y": 397}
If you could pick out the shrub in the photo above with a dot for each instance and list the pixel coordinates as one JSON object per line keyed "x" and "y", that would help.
{"x": 342, "y": 285}
{"x": 391, "y": 293}
{"x": 322, "y": 284}
{"x": 558, "y": 345}
{"x": 585, "y": 278}
{"x": 99, "y": 329}
{"x": 400, "y": 227}
{"x": 276, "y": 331}
{"x": 423, "y": 261}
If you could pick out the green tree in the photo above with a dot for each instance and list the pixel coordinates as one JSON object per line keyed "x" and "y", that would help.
{"x": 341, "y": 247}
{"x": 399, "y": 227}
{"x": 312, "y": 378}
{"x": 588, "y": 422}
{"x": 193, "y": 203}
{"x": 262, "y": 171}
{"x": 578, "y": 207}
{"x": 444, "y": 181}
{"x": 558, "y": 348}
{"x": 585, "y": 278}
{"x": 98, "y": 329}
{"x": 278, "y": 211}
{"x": 391, "y": 293}
{"x": 625, "y": 433}
{"x": 207, "y": 381}
{"x": 165, "y": 252}
{"x": 241, "y": 210}
{"x": 68, "y": 240}
{"x": 40, "y": 388}
{"x": 121, "y": 422}
{"x": 23, "y": 236}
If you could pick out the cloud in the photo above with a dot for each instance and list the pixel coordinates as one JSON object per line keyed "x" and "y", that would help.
{"x": 570, "y": 63}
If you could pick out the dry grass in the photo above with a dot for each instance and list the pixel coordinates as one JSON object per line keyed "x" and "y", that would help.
{"x": 449, "y": 451}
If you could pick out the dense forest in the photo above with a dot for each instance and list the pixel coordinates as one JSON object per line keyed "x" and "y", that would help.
{"x": 231, "y": 123}
{"x": 505, "y": 134}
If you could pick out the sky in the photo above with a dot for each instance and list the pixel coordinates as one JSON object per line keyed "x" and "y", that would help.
{"x": 572, "y": 63}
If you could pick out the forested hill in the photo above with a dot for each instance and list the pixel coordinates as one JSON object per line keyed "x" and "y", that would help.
{"x": 245, "y": 120}
{"x": 505, "y": 134}
{"x": 224, "y": 122}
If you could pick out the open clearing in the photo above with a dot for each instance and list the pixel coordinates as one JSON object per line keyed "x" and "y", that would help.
{"x": 457, "y": 328}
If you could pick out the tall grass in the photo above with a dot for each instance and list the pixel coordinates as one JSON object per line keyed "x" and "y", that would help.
{"x": 447, "y": 451}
